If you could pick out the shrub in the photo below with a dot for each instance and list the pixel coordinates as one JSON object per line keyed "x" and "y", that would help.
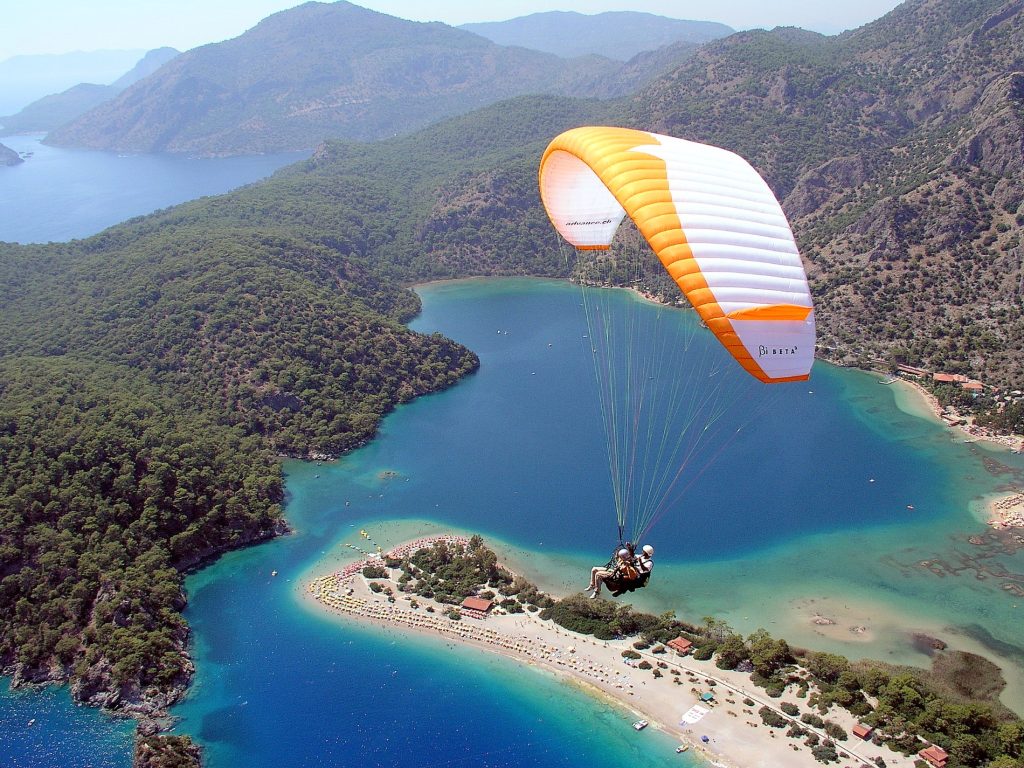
{"x": 772, "y": 718}
{"x": 375, "y": 572}
{"x": 703, "y": 653}
{"x": 835, "y": 730}
{"x": 789, "y": 708}
{"x": 645, "y": 664}
{"x": 825, "y": 753}
{"x": 630, "y": 654}
{"x": 811, "y": 719}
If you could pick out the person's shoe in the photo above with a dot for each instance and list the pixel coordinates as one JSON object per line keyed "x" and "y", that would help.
{"x": 593, "y": 595}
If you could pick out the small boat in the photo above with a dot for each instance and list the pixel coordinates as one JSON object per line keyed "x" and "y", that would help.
{"x": 682, "y": 748}
{"x": 640, "y": 724}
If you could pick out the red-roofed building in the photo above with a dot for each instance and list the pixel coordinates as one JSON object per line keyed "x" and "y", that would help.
{"x": 862, "y": 731}
{"x": 946, "y": 378}
{"x": 476, "y": 604}
{"x": 973, "y": 386}
{"x": 680, "y": 645}
{"x": 936, "y": 756}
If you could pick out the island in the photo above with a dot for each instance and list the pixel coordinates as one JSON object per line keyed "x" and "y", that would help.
{"x": 752, "y": 701}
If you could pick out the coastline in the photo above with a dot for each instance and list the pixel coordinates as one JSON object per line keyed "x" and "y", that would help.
{"x": 667, "y": 693}
{"x": 928, "y": 407}
{"x": 1002, "y": 511}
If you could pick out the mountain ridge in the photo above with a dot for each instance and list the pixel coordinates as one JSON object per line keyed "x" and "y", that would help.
{"x": 331, "y": 70}
{"x": 617, "y": 35}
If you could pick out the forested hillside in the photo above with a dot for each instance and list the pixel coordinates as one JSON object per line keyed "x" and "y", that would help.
{"x": 149, "y": 377}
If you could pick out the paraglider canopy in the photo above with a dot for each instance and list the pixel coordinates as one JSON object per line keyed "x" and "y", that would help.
{"x": 711, "y": 220}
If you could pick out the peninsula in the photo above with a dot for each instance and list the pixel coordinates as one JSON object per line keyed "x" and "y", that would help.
{"x": 741, "y": 702}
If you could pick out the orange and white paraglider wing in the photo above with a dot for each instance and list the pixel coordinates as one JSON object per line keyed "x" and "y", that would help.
{"x": 712, "y": 221}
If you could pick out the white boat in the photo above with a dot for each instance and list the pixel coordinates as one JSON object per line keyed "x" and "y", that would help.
{"x": 640, "y": 724}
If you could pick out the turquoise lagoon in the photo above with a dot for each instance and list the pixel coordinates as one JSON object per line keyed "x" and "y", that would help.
{"x": 804, "y": 514}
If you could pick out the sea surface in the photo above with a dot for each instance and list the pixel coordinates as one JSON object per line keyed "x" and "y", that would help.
{"x": 42, "y": 728}
{"x": 806, "y": 512}
{"x": 834, "y": 497}
{"x": 62, "y": 194}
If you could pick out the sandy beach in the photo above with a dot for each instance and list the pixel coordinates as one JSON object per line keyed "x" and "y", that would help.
{"x": 927, "y": 405}
{"x": 713, "y": 712}
{"x": 1006, "y": 511}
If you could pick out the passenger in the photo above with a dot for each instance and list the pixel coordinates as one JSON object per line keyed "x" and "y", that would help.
{"x": 624, "y": 568}
{"x": 645, "y": 563}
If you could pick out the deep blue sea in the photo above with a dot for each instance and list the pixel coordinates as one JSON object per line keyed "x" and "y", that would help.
{"x": 829, "y": 498}
{"x": 62, "y": 194}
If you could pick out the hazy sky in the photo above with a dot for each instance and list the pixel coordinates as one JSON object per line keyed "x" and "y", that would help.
{"x": 74, "y": 25}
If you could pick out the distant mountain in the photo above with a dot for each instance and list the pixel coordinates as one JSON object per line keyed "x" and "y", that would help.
{"x": 55, "y": 110}
{"x": 8, "y": 156}
{"x": 23, "y": 79}
{"x": 617, "y": 35}
{"x": 329, "y": 70}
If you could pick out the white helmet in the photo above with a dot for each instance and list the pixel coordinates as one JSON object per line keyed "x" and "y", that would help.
{"x": 648, "y": 550}
{"x": 623, "y": 553}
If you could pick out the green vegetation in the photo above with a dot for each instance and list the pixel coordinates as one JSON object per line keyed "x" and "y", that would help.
{"x": 107, "y": 493}
{"x": 451, "y": 573}
{"x": 166, "y": 752}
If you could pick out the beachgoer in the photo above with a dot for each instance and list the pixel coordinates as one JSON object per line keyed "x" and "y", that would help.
{"x": 624, "y": 567}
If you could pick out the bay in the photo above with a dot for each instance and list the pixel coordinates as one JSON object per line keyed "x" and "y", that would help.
{"x": 807, "y": 513}
{"x": 61, "y": 194}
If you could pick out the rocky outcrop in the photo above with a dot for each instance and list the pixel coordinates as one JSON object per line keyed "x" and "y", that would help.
{"x": 996, "y": 143}
{"x": 8, "y": 156}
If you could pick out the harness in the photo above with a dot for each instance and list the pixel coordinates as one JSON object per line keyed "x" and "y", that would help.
{"x": 625, "y": 577}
